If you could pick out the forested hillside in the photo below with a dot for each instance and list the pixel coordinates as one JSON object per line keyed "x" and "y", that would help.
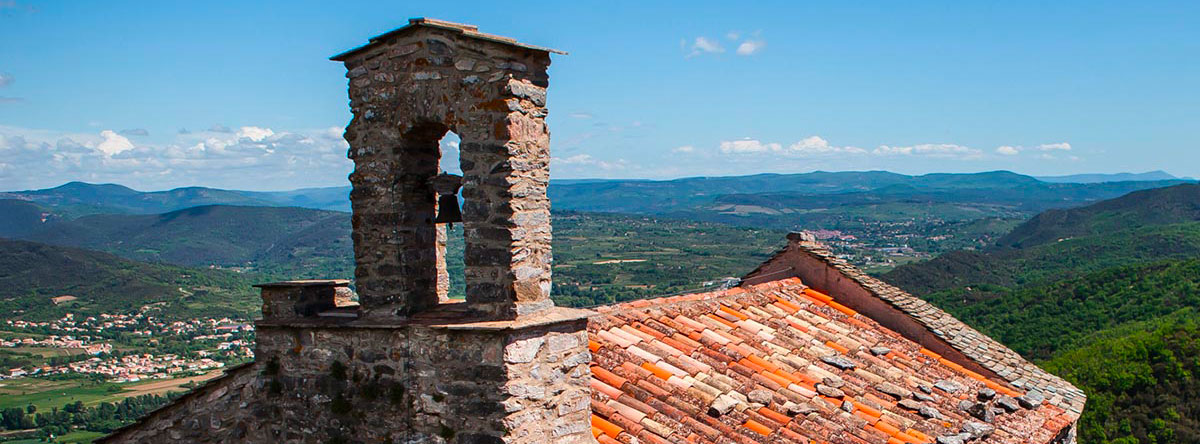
{"x": 1163, "y": 206}
{"x": 284, "y": 242}
{"x": 1142, "y": 381}
{"x": 982, "y": 271}
{"x": 1103, "y": 295}
{"x": 31, "y": 274}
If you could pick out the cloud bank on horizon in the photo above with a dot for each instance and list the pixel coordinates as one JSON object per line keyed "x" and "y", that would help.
{"x": 249, "y": 157}
{"x": 260, "y": 158}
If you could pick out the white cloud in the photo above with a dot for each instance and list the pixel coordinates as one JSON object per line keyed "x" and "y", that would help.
{"x": 135, "y": 132}
{"x": 1011, "y": 150}
{"x": 684, "y": 149}
{"x": 586, "y": 160}
{"x": 279, "y": 160}
{"x": 704, "y": 45}
{"x": 113, "y": 143}
{"x": 254, "y": 133}
{"x": 581, "y": 115}
{"x": 578, "y": 158}
{"x": 1064, "y": 146}
{"x": 751, "y": 47}
{"x": 815, "y": 145}
{"x": 944, "y": 150}
{"x": 218, "y": 128}
{"x": 1008, "y": 150}
{"x": 732, "y": 35}
{"x": 6, "y": 79}
{"x": 748, "y": 146}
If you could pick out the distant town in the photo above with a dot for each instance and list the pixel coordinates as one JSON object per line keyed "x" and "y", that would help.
{"x": 127, "y": 347}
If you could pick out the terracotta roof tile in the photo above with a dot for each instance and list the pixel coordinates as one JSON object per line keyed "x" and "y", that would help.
{"x": 748, "y": 365}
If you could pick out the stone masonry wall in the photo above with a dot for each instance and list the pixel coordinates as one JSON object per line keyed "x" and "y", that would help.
{"x": 404, "y": 365}
{"x": 406, "y": 91}
{"x": 414, "y": 384}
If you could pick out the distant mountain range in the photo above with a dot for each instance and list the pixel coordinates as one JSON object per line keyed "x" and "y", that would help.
{"x": 781, "y": 201}
{"x": 1117, "y": 177}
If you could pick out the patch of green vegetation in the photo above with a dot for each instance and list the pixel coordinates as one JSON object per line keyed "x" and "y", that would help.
{"x": 1105, "y": 296}
{"x": 1038, "y": 321}
{"x": 1163, "y": 206}
{"x": 31, "y": 273}
{"x": 1142, "y": 381}
{"x": 47, "y": 393}
{"x": 77, "y": 422}
{"x": 1012, "y": 268}
{"x": 602, "y": 258}
{"x": 77, "y": 436}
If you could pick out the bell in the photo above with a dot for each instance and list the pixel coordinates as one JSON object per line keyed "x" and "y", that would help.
{"x": 446, "y": 186}
{"x": 448, "y": 211}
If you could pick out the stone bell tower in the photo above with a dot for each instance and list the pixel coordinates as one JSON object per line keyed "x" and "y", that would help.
{"x": 408, "y": 88}
{"x": 404, "y": 364}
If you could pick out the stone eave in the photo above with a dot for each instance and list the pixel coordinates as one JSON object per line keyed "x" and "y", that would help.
{"x": 197, "y": 391}
{"x": 463, "y": 29}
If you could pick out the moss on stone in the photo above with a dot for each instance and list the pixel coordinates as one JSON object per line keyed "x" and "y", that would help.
{"x": 340, "y": 405}
{"x": 446, "y": 432}
{"x": 396, "y": 394}
{"x": 338, "y": 370}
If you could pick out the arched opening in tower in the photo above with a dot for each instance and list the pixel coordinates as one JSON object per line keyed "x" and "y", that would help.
{"x": 449, "y": 163}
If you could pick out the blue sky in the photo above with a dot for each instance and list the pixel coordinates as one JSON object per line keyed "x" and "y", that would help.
{"x": 163, "y": 94}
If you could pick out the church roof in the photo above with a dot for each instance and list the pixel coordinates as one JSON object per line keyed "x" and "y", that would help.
{"x": 780, "y": 362}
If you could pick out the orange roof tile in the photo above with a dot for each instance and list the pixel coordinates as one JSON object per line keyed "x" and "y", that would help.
{"x": 695, "y": 370}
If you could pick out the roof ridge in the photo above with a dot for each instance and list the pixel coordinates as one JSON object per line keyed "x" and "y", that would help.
{"x": 980, "y": 348}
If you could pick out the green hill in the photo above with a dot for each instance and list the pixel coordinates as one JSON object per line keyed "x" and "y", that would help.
{"x": 1038, "y": 321}
{"x": 1142, "y": 381}
{"x": 277, "y": 241}
{"x": 19, "y": 218}
{"x": 1141, "y": 226}
{"x": 1011, "y": 268}
{"x": 1105, "y": 295}
{"x": 32, "y": 273}
{"x": 1180, "y": 203}
{"x": 78, "y": 198}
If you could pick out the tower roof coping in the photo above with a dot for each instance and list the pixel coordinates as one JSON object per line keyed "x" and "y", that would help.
{"x": 306, "y": 283}
{"x": 466, "y": 30}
